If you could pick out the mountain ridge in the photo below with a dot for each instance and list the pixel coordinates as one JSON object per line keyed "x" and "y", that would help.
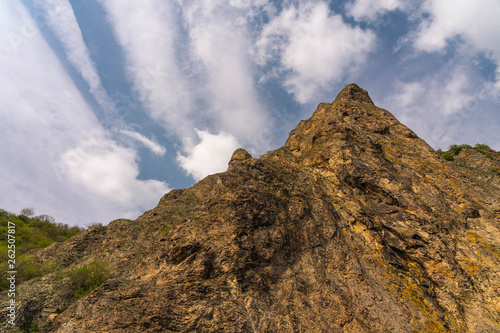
{"x": 354, "y": 225}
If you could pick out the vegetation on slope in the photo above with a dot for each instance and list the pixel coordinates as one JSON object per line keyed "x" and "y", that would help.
{"x": 84, "y": 279}
{"x": 31, "y": 233}
{"x": 455, "y": 150}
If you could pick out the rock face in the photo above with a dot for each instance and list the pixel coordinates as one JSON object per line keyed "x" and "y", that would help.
{"x": 355, "y": 225}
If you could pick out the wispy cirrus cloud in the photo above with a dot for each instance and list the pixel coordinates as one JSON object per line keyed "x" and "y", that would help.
{"x": 212, "y": 68}
{"x": 220, "y": 44}
{"x": 243, "y": 71}
{"x": 56, "y": 153}
{"x": 59, "y": 16}
{"x": 155, "y": 147}
{"x": 148, "y": 35}
{"x": 42, "y": 115}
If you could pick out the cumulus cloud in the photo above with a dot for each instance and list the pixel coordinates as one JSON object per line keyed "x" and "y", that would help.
{"x": 475, "y": 22}
{"x": 62, "y": 21}
{"x": 155, "y": 147}
{"x": 147, "y": 32}
{"x": 370, "y": 10}
{"x": 210, "y": 155}
{"x": 314, "y": 46}
{"x": 110, "y": 171}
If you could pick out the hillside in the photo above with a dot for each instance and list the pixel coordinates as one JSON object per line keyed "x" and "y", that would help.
{"x": 31, "y": 233}
{"x": 354, "y": 225}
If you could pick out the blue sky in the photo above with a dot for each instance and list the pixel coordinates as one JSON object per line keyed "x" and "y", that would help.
{"x": 106, "y": 105}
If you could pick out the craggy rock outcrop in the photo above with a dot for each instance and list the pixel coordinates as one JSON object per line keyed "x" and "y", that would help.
{"x": 355, "y": 225}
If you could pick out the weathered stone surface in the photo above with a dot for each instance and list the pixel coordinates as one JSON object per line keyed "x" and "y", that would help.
{"x": 355, "y": 225}
{"x": 482, "y": 167}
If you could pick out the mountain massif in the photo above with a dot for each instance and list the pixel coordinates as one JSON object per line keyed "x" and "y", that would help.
{"x": 354, "y": 225}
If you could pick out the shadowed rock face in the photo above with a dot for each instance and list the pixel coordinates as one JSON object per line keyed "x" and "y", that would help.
{"x": 355, "y": 225}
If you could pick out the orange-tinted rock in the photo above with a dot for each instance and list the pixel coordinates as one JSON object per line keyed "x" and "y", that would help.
{"x": 355, "y": 225}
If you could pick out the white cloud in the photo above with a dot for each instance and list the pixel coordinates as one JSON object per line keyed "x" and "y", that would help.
{"x": 453, "y": 104}
{"x": 435, "y": 106}
{"x": 316, "y": 47}
{"x": 408, "y": 94}
{"x": 41, "y": 107}
{"x": 370, "y": 10}
{"x": 210, "y": 155}
{"x": 110, "y": 171}
{"x": 442, "y": 94}
{"x": 219, "y": 46}
{"x": 43, "y": 117}
{"x": 212, "y": 67}
{"x": 150, "y": 144}
{"x": 61, "y": 19}
{"x": 244, "y": 8}
{"x": 147, "y": 33}
{"x": 476, "y": 22}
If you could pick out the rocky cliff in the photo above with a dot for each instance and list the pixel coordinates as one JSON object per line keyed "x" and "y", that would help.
{"x": 355, "y": 225}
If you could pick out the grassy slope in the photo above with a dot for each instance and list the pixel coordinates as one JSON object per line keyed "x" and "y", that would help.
{"x": 31, "y": 233}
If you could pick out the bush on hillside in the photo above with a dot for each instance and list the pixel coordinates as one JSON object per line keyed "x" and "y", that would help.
{"x": 31, "y": 233}
{"x": 84, "y": 279}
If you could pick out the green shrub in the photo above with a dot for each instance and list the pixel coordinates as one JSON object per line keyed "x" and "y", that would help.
{"x": 27, "y": 268}
{"x": 23, "y": 218}
{"x": 448, "y": 156}
{"x": 482, "y": 146}
{"x": 87, "y": 278}
{"x": 481, "y": 149}
{"x": 35, "y": 232}
{"x": 455, "y": 149}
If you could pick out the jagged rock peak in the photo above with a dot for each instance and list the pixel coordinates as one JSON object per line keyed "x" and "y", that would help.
{"x": 352, "y": 119}
{"x": 355, "y": 225}
{"x": 239, "y": 155}
{"x": 353, "y": 92}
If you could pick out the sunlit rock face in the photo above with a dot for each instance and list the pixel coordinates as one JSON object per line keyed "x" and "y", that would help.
{"x": 355, "y": 225}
